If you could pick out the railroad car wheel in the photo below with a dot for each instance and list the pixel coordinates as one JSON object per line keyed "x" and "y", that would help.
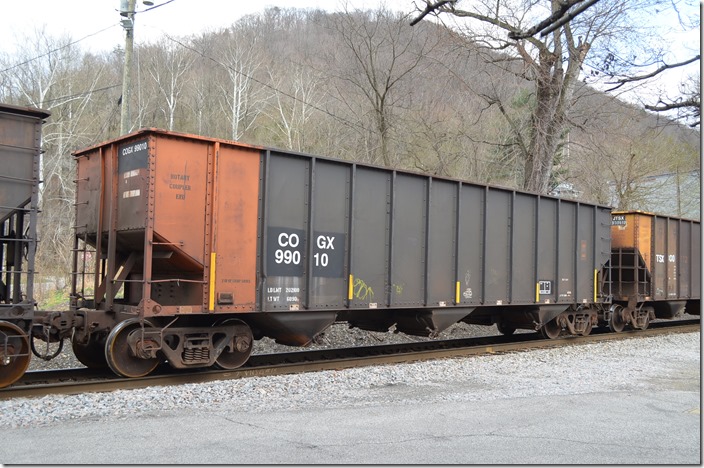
{"x": 505, "y": 329}
{"x": 616, "y": 321}
{"x": 233, "y": 358}
{"x": 644, "y": 322}
{"x": 551, "y": 330}
{"x": 587, "y": 328}
{"x": 92, "y": 354}
{"x": 14, "y": 353}
{"x": 120, "y": 358}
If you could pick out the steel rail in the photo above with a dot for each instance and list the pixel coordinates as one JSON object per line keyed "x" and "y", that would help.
{"x": 77, "y": 381}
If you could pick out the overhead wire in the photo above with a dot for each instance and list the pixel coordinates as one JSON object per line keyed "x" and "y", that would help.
{"x": 84, "y": 93}
{"x": 354, "y": 125}
{"x": 56, "y": 50}
{"x": 77, "y": 40}
{"x": 266, "y": 85}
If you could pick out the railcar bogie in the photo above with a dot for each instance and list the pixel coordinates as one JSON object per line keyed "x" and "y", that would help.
{"x": 551, "y": 321}
{"x": 577, "y": 321}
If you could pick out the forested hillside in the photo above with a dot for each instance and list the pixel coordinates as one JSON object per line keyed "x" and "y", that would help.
{"x": 360, "y": 86}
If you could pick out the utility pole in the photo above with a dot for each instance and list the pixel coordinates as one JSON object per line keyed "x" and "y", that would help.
{"x": 127, "y": 10}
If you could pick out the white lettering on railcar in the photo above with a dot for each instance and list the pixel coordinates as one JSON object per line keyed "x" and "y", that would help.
{"x": 325, "y": 242}
{"x": 134, "y": 148}
{"x": 131, "y": 193}
{"x": 288, "y": 256}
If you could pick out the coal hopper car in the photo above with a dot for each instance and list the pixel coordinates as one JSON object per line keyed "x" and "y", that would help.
{"x": 20, "y": 153}
{"x": 655, "y": 269}
{"x": 190, "y": 248}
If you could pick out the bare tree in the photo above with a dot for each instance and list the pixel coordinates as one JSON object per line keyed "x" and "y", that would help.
{"x": 241, "y": 60}
{"x": 202, "y": 96}
{"x": 637, "y": 163}
{"x": 382, "y": 51}
{"x": 295, "y": 99}
{"x": 565, "y": 12}
{"x": 687, "y": 103}
{"x": 52, "y": 73}
{"x": 552, "y": 64}
{"x": 168, "y": 66}
{"x": 661, "y": 63}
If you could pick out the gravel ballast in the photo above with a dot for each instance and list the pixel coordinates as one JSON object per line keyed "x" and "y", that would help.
{"x": 615, "y": 366}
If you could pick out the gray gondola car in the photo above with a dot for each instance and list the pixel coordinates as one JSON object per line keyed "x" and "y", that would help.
{"x": 20, "y": 149}
{"x": 424, "y": 252}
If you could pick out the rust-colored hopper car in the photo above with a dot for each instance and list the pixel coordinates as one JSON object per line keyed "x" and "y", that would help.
{"x": 655, "y": 268}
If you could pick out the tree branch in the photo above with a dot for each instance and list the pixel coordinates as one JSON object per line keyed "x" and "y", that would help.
{"x": 673, "y": 105}
{"x": 430, "y": 8}
{"x": 655, "y": 73}
{"x": 560, "y": 17}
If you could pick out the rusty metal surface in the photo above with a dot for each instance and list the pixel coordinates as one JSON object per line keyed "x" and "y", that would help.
{"x": 236, "y": 209}
{"x": 659, "y": 257}
{"x": 168, "y": 206}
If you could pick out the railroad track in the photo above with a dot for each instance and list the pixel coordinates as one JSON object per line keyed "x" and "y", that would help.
{"x": 83, "y": 380}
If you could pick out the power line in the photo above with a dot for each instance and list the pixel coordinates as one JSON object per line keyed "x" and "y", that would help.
{"x": 77, "y": 40}
{"x": 352, "y": 125}
{"x": 267, "y": 85}
{"x": 84, "y": 93}
{"x": 57, "y": 49}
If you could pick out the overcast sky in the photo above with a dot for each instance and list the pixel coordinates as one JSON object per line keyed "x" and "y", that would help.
{"x": 96, "y": 23}
{"x": 100, "y": 19}
{"x": 81, "y": 18}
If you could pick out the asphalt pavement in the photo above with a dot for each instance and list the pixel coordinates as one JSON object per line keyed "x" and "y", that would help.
{"x": 660, "y": 423}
